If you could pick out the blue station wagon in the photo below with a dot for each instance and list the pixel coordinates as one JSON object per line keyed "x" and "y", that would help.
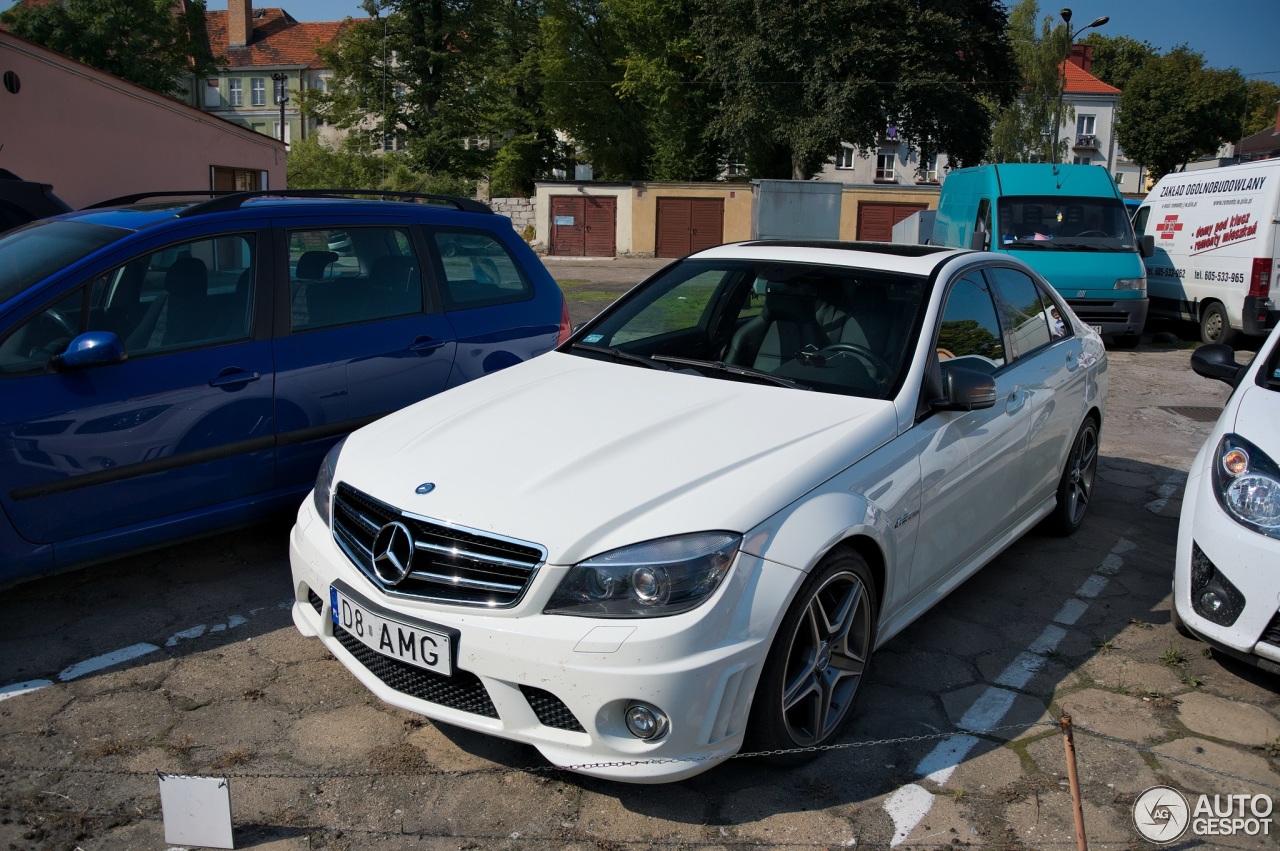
{"x": 172, "y": 366}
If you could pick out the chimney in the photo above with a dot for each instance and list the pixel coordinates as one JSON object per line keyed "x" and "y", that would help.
{"x": 1082, "y": 56}
{"x": 239, "y": 22}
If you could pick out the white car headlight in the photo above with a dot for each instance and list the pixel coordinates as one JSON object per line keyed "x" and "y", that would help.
{"x": 1247, "y": 484}
{"x": 666, "y": 576}
{"x": 324, "y": 481}
{"x": 1131, "y": 284}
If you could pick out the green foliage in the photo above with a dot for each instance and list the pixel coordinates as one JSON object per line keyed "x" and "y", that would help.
{"x": 798, "y": 77}
{"x": 1117, "y": 58}
{"x": 143, "y": 41}
{"x": 1024, "y": 129}
{"x": 1175, "y": 110}
{"x": 357, "y": 164}
{"x": 1261, "y": 97}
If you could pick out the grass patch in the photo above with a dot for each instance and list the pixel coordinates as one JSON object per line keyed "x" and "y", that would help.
{"x": 577, "y": 290}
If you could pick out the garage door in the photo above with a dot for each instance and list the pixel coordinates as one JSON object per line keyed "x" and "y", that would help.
{"x": 583, "y": 226}
{"x": 686, "y": 225}
{"x": 876, "y": 221}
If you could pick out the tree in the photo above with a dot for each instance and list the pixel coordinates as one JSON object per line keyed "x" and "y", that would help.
{"x": 1117, "y": 58}
{"x": 1024, "y": 128}
{"x": 798, "y": 77}
{"x": 1175, "y": 110}
{"x": 357, "y": 164}
{"x": 146, "y": 42}
{"x": 1261, "y": 97}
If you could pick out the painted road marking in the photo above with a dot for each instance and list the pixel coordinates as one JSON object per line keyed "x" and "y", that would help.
{"x": 134, "y": 651}
{"x": 908, "y": 805}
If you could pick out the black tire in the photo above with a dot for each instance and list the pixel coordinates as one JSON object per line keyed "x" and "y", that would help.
{"x": 1126, "y": 341}
{"x": 1215, "y": 327}
{"x": 1178, "y": 625}
{"x": 1075, "y": 488}
{"x": 818, "y": 660}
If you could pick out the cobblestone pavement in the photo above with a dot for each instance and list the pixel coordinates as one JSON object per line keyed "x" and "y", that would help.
{"x": 210, "y": 678}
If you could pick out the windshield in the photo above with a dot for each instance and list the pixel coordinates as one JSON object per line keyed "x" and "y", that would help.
{"x": 1057, "y": 223}
{"x": 33, "y": 253}
{"x": 793, "y": 325}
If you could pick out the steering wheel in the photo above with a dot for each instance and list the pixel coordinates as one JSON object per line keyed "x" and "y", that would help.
{"x": 1100, "y": 233}
{"x": 881, "y": 367}
{"x": 51, "y": 330}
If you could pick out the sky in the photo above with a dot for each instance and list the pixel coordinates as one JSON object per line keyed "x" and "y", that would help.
{"x": 1239, "y": 34}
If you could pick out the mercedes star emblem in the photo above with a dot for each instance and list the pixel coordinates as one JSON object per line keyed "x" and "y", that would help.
{"x": 393, "y": 550}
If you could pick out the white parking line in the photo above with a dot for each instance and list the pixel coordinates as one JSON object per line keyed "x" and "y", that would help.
{"x": 908, "y": 805}
{"x": 134, "y": 651}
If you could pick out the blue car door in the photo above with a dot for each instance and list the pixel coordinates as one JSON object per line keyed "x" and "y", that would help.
{"x": 143, "y": 448}
{"x": 362, "y": 336}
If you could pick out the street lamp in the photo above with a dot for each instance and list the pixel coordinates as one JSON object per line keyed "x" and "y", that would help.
{"x": 1062, "y": 81}
{"x": 282, "y": 97}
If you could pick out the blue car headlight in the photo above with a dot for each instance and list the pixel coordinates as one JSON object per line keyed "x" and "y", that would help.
{"x": 324, "y": 481}
{"x": 662, "y": 577}
{"x": 1247, "y": 484}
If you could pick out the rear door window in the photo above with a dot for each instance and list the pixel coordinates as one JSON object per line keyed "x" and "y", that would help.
{"x": 352, "y": 275}
{"x": 476, "y": 270}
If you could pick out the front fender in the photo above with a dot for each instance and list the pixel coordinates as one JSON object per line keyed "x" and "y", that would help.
{"x": 805, "y": 531}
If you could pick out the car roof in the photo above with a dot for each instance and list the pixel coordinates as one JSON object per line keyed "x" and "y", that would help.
{"x": 920, "y": 260}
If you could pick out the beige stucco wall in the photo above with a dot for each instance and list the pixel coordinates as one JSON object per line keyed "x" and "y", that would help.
{"x": 737, "y": 209}
{"x": 95, "y": 136}
{"x": 853, "y": 195}
{"x": 542, "y": 216}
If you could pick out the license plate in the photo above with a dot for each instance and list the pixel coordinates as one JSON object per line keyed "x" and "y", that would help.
{"x": 414, "y": 644}
{"x": 1097, "y": 329}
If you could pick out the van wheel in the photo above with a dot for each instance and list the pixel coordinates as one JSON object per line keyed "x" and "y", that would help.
{"x": 818, "y": 660}
{"x": 1215, "y": 327}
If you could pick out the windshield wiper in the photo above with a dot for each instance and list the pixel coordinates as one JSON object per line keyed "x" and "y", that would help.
{"x": 618, "y": 354}
{"x": 744, "y": 371}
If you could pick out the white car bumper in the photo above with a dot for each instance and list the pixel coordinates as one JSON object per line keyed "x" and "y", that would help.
{"x": 1248, "y": 560}
{"x": 562, "y": 683}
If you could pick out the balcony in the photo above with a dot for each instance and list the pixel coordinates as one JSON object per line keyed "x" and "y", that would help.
{"x": 1086, "y": 142}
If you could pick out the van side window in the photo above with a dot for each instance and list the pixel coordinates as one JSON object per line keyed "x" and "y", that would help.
{"x": 1140, "y": 221}
{"x": 982, "y": 226}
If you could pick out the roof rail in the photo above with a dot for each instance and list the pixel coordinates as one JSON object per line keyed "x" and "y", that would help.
{"x": 222, "y": 200}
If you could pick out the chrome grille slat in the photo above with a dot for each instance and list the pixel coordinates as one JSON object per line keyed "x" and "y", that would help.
{"x": 464, "y": 566}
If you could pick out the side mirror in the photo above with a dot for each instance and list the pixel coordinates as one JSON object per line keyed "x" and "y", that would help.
{"x": 1147, "y": 245}
{"x": 93, "y": 348}
{"x": 1218, "y": 361}
{"x": 966, "y": 390}
{"x": 980, "y": 241}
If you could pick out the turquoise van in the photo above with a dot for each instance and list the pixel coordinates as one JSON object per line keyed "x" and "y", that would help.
{"x": 1068, "y": 222}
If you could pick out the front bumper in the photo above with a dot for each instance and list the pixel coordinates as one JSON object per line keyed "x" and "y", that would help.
{"x": 1125, "y": 316}
{"x": 562, "y": 683}
{"x": 1250, "y": 562}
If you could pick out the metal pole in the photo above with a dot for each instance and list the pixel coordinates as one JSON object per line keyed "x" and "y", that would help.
{"x": 1077, "y": 806}
{"x": 1062, "y": 79}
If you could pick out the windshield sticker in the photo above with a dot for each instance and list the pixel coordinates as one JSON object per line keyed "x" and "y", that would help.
{"x": 593, "y": 338}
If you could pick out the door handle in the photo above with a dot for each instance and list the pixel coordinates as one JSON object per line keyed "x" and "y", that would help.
{"x": 425, "y": 345}
{"x": 232, "y": 376}
{"x": 1017, "y": 399}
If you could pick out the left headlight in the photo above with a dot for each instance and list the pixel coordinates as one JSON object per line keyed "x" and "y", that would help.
{"x": 662, "y": 577}
{"x": 1247, "y": 484}
{"x": 1131, "y": 284}
{"x": 324, "y": 481}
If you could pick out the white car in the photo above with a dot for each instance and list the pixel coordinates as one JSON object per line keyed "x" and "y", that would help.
{"x": 1226, "y": 583}
{"x": 684, "y": 532}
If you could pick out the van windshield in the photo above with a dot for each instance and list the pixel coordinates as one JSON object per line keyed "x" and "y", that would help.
{"x": 1064, "y": 223}
{"x": 33, "y": 253}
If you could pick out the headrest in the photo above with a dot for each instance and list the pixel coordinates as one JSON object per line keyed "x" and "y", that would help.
{"x": 188, "y": 276}
{"x": 785, "y": 302}
{"x": 312, "y": 264}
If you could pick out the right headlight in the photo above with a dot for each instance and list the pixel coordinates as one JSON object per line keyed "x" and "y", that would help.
{"x": 324, "y": 481}
{"x": 1247, "y": 484}
{"x": 1131, "y": 284}
{"x": 662, "y": 577}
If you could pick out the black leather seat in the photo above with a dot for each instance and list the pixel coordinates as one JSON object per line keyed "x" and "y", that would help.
{"x": 185, "y": 319}
{"x": 785, "y": 325}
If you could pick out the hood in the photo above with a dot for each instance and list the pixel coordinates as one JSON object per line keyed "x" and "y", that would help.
{"x": 583, "y": 456}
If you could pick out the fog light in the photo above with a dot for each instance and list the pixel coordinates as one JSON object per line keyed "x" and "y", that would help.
{"x": 1213, "y": 596}
{"x": 646, "y": 722}
{"x": 1211, "y": 603}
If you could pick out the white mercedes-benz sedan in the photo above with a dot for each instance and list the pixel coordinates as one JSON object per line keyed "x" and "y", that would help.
{"x": 683, "y": 533}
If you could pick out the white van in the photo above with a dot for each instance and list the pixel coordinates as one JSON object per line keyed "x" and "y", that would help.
{"x": 1216, "y": 248}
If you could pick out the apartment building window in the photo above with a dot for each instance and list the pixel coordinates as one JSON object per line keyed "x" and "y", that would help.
{"x": 929, "y": 169}
{"x": 1082, "y": 160}
{"x": 1085, "y": 125}
{"x": 258, "y": 86}
{"x": 844, "y": 157}
{"x": 884, "y": 165}
{"x": 275, "y": 131}
{"x": 235, "y": 91}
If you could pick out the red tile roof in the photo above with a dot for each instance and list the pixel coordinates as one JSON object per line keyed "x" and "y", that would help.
{"x": 1081, "y": 82}
{"x": 277, "y": 39}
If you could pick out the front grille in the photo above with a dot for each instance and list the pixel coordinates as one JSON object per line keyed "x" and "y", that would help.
{"x": 1092, "y": 311}
{"x": 1271, "y": 634}
{"x": 550, "y": 710}
{"x": 462, "y": 691}
{"x": 451, "y": 564}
